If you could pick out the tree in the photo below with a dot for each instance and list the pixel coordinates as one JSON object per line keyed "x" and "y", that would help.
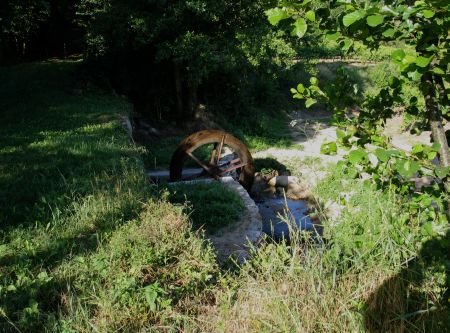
{"x": 422, "y": 25}
{"x": 36, "y": 29}
{"x": 19, "y": 21}
{"x": 168, "y": 55}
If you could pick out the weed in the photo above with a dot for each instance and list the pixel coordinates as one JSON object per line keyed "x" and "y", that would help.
{"x": 209, "y": 205}
{"x": 366, "y": 276}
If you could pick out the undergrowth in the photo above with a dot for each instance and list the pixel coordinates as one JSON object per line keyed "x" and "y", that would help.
{"x": 87, "y": 244}
{"x": 373, "y": 272}
{"x": 210, "y": 206}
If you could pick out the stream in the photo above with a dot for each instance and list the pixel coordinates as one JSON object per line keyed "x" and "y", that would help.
{"x": 277, "y": 213}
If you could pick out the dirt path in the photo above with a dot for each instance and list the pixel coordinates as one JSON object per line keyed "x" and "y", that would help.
{"x": 309, "y": 129}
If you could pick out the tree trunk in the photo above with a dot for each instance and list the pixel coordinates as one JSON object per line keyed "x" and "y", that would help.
{"x": 178, "y": 90}
{"x": 192, "y": 102}
{"x": 437, "y": 129}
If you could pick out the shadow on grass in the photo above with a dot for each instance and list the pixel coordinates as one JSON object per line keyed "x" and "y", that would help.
{"x": 68, "y": 177}
{"x": 52, "y": 142}
{"x": 267, "y": 164}
{"x": 412, "y": 300}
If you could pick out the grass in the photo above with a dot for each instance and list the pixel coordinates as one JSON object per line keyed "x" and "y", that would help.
{"x": 147, "y": 276}
{"x": 210, "y": 206}
{"x": 372, "y": 274}
{"x": 86, "y": 244}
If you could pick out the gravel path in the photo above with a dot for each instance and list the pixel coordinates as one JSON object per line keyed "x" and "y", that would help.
{"x": 309, "y": 130}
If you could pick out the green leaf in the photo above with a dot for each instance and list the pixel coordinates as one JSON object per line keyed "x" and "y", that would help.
{"x": 407, "y": 168}
{"x": 427, "y": 229}
{"x": 438, "y": 71}
{"x": 333, "y": 35}
{"x": 346, "y": 45}
{"x": 394, "y": 82}
{"x": 353, "y": 17}
{"x": 293, "y": 91}
{"x": 340, "y": 134}
{"x": 432, "y": 48}
{"x": 417, "y": 149}
{"x": 408, "y": 59}
{"x": 300, "y": 27}
{"x": 357, "y": 156}
{"x": 389, "y": 33}
{"x": 309, "y": 102}
{"x": 11, "y": 287}
{"x": 310, "y": 15}
{"x": 422, "y": 61}
{"x": 427, "y": 13}
{"x": 375, "y": 20}
{"x": 378, "y": 140}
{"x": 275, "y": 15}
{"x": 328, "y": 148}
{"x": 301, "y": 88}
{"x": 352, "y": 172}
{"x": 313, "y": 80}
{"x": 316, "y": 90}
{"x": 3, "y": 249}
{"x": 431, "y": 155}
{"x": 436, "y": 146}
{"x": 382, "y": 154}
{"x": 442, "y": 172}
{"x": 415, "y": 75}
{"x": 398, "y": 55}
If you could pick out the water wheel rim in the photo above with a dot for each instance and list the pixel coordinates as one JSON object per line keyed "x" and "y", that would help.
{"x": 198, "y": 139}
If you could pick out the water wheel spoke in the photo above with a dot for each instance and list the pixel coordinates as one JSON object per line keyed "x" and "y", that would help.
{"x": 233, "y": 167}
{"x": 236, "y": 160}
{"x": 219, "y": 153}
{"x": 205, "y": 167}
{"x": 213, "y": 154}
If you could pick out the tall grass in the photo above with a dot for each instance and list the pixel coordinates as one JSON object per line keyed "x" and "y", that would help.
{"x": 85, "y": 242}
{"x": 372, "y": 273}
{"x": 88, "y": 245}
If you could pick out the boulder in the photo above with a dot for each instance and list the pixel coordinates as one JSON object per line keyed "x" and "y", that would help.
{"x": 283, "y": 181}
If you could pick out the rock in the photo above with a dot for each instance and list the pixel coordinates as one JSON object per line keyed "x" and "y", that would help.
{"x": 279, "y": 190}
{"x": 282, "y": 181}
{"x": 333, "y": 210}
{"x": 365, "y": 176}
{"x": 373, "y": 160}
{"x": 297, "y": 192}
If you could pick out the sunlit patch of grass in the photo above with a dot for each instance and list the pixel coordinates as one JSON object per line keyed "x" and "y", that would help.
{"x": 369, "y": 274}
{"x": 146, "y": 275}
{"x": 211, "y": 206}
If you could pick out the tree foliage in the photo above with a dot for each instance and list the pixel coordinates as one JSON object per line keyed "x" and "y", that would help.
{"x": 38, "y": 29}
{"x": 164, "y": 54}
{"x": 423, "y": 25}
{"x": 421, "y": 28}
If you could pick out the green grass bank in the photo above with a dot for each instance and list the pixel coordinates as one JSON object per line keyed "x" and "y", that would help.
{"x": 86, "y": 245}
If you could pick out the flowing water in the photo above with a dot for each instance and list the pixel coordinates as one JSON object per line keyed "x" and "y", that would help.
{"x": 278, "y": 212}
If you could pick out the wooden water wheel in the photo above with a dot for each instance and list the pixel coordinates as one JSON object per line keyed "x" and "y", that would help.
{"x": 217, "y": 153}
